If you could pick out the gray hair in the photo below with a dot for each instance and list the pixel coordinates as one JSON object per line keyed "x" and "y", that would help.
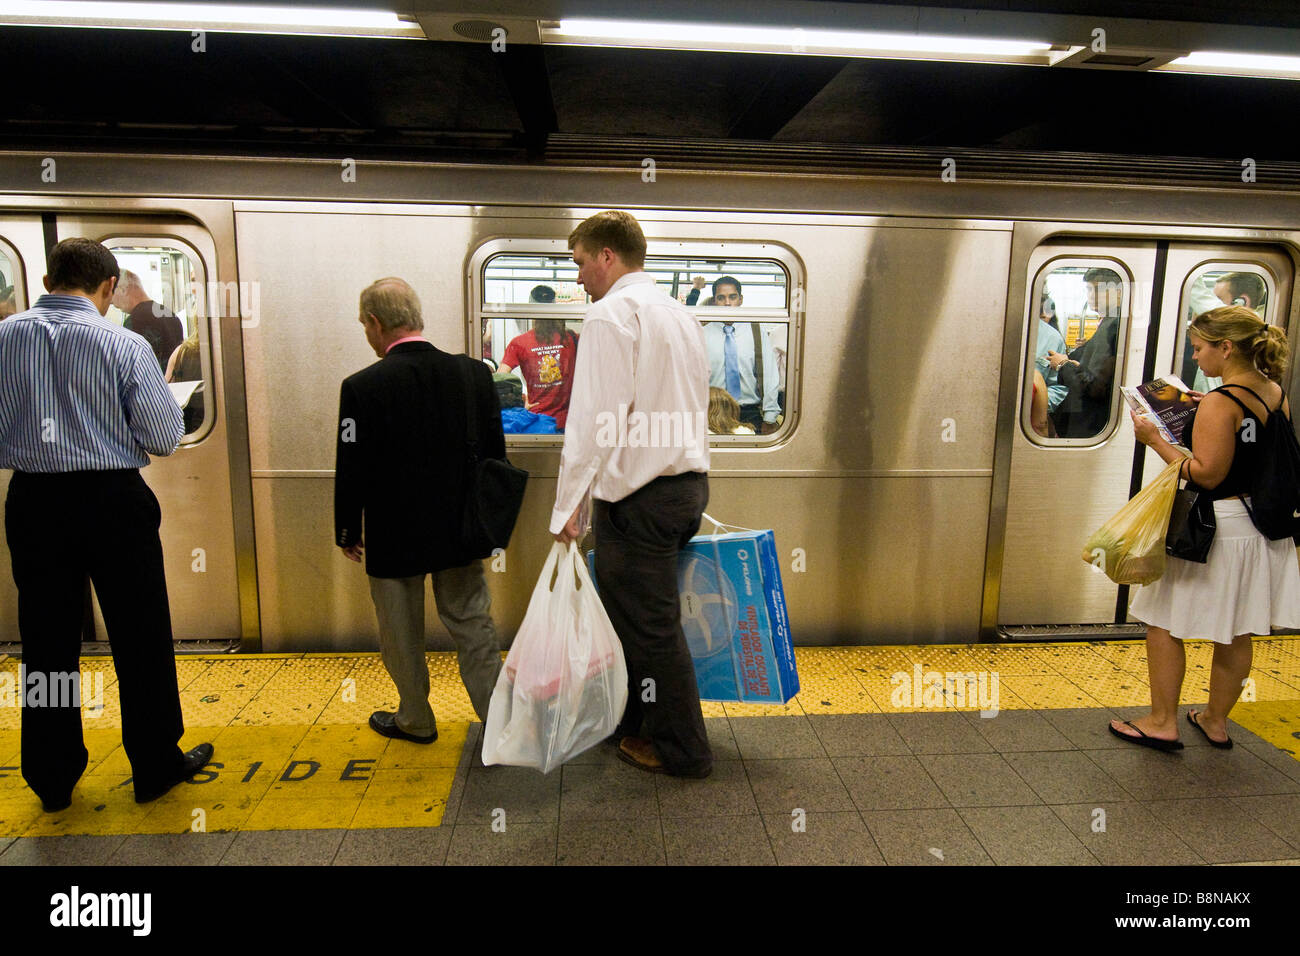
{"x": 394, "y": 303}
{"x": 129, "y": 281}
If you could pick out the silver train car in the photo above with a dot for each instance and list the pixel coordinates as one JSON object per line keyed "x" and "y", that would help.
{"x": 912, "y": 498}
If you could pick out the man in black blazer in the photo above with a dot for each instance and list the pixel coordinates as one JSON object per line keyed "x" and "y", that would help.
{"x": 402, "y": 468}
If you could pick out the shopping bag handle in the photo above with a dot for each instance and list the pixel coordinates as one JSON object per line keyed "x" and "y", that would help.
{"x": 548, "y": 569}
{"x": 579, "y": 567}
{"x": 718, "y": 525}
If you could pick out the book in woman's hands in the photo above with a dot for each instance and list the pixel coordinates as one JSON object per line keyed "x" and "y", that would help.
{"x": 1166, "y": 402}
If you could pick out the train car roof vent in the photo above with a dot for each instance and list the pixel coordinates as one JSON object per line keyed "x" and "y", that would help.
{"x": 476, "y": 29}
{"x": 1132, "y": 59}
{"x": 468, "y": 27}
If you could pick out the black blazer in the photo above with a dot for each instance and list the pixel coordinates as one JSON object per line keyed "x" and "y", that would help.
{"x": 401, "y": 460}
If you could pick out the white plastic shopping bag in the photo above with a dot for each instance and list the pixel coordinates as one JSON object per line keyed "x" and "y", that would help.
{"x": 564, "y": 684}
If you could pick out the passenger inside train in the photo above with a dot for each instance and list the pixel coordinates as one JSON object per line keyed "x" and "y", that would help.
{"x": 743, "y": 362}
{"x": 8, "y": 292}
{"x": 186, "y": 365}
{"x": 154, "y": 320}
{"x": 1038, "y": 414}
{"x": 724, "y": 414}
{"x": 1210, "y": 290}
{"x": 545, "y": 356}
{"x": 1088, "y": 372}
{"x": 1049, "y": 340}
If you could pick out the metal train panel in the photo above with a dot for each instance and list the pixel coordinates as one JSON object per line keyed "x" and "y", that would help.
{"x": 895, "y": 385}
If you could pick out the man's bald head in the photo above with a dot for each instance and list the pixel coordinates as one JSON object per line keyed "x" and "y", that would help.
{"x": 129, "y": 292}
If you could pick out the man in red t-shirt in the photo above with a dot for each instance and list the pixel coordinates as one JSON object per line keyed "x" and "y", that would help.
{"x": 546, "y": 356}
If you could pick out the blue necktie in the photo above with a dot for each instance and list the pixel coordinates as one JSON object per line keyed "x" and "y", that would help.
{"x": 731, "y": 361}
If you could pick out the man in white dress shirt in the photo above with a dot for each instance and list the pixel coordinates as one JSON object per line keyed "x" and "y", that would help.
{"x": 637, "y": 439}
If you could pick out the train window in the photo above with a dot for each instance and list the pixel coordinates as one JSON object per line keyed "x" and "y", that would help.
{"x": 10, "y": 300}
{"x": 160, "y": 295}
{"x": 1213, "y": 286}
{"x": 1076, "y": 325}
{"x": 747, "y": 397}
{"x": 530, "y": 319}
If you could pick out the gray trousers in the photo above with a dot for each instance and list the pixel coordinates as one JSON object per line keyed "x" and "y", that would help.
{"x": 463, "y": 607}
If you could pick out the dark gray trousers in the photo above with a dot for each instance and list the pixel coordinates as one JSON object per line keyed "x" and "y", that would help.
{"x": 637, "y": 543}
{"x": 464, "y": 605}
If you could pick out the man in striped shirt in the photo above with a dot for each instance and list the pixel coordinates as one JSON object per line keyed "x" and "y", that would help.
{"x": 82, "y": 406}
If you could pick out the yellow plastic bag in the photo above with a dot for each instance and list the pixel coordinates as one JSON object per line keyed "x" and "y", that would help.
{"x": 1130, "y": 547}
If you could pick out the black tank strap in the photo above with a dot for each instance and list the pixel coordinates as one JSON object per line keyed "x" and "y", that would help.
{"x": 1249, "y": 411}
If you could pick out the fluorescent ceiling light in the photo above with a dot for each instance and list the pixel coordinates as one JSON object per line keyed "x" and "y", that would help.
{"x": 1236, "y": 64}
{"x": 724, "y": 37}
{"x": 197, "y": 16}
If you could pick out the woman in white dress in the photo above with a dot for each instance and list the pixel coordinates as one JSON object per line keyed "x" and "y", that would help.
{"x": 1248, "y": 583}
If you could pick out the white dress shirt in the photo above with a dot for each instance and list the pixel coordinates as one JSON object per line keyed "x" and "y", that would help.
{"x": 639, "y": 407}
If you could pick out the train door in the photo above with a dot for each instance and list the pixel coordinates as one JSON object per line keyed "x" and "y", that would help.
{"x": 168, "y": 293}
{"x": 1119, "y": 310}
{"x": 22, "y": 261}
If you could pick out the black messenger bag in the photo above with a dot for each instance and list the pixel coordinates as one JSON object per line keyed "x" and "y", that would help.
{"x": 495, "y": 491}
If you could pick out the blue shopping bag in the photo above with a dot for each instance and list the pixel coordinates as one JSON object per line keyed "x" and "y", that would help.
{"x": 734, "y": 616}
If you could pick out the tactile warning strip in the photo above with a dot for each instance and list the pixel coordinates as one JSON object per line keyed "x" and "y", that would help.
{"x": 261, "y": 778}
{"x": 293, "y": 750}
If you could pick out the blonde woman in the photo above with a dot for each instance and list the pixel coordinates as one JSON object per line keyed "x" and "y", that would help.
{"x": 186, "y": 365}
{"x": 1248, "y": 583}
{"x": 724, "y": 414}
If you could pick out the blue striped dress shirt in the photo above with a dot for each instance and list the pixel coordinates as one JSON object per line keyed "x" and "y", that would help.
{"x": 78, "y": 393}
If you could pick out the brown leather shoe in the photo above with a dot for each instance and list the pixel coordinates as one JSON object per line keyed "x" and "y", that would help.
{"x": 640, "y": 753}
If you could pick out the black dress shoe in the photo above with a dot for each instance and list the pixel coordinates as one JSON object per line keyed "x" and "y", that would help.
{"x": 192, "y": 763}
{"x": 64, "y": 800}
{"x": 385, "y": 722}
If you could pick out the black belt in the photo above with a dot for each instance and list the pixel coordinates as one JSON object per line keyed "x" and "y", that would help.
{"x": 684, "y": 476}
{"x": 77, "y": 477}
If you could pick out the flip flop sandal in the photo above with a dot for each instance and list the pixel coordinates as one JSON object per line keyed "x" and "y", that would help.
{"x": 1221, "y": 744}
{"x": 1142, "y": 740}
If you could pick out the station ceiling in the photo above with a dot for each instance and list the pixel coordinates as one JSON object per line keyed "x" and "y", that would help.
{"x": 110, "y": 89}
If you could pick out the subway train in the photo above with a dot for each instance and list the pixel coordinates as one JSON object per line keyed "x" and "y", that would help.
{"x": 905, "y": 297}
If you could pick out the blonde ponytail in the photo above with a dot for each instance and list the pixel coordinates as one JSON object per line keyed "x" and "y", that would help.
{"x": 1269, "y": 352}
{"x": 1264, "y": 345}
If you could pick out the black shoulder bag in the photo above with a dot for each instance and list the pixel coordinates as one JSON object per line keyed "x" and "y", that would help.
{"x": 1191, "y": 524}
{"x": 495, "y": 488}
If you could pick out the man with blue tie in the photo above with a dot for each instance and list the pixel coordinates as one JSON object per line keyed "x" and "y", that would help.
{"x": 742, "y": 361}
{"x": 83, "y": 405}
